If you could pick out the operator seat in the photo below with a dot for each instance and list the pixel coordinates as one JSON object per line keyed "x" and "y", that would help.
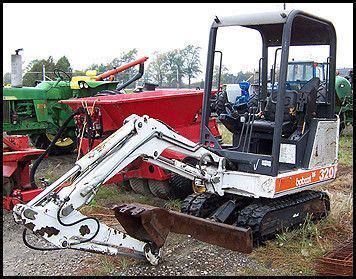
{"x": 294, "y": 102}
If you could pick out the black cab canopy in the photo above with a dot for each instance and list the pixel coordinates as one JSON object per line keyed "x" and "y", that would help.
{"x": 307, "y": 29}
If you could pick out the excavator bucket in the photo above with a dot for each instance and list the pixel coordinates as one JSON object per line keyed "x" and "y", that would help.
{"x": 153, "y": 224}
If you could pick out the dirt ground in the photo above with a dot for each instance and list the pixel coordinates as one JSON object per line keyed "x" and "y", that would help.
{"x": 182, "y": 255}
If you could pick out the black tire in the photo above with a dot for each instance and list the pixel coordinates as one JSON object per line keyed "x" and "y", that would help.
{"x": 161, "y": 189}
{"x": 342, "y": 123}
{"x": 7, "y": 186}
{"x": 221, "y": 100}
{"x": 41, "y": 141}
{"x": 181, "y": 186}
{"x": 140, "y": 186}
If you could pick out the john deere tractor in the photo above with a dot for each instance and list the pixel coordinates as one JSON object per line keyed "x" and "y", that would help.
{"x": 35, "y": 111}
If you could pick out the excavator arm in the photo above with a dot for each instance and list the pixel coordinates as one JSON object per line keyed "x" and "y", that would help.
{"x": 54, "y": 214}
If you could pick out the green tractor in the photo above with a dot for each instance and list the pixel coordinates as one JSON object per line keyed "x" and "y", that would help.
{"x": 35, "y": 111}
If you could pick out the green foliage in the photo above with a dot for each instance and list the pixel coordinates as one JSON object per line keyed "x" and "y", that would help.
{"x": 173, "y": 205}
{"x": 124, "y": 58}
{"x": 175, "y": 64}
{"x": 63, "y": 64}
{"x": 192, "y": 62}
{"x": 227, "y": 77}
{"x": 157, "y": 69}
{"x": 100, "y": 68}
{"x": 7, "y": 78}
{"x": 33, "y": 70}
{"x": 345, "y": 150}
{"x": 168, "y": 69}
{"x": 78, "y": 73}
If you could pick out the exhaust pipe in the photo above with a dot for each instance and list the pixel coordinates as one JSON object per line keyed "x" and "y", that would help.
{"x": 16, "y": 69}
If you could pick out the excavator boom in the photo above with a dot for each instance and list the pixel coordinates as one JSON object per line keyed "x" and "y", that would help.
{"x": 54, "y": 214}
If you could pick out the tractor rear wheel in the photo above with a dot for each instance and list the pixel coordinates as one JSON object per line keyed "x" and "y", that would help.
{"x": 161, "y": 189}
{"x": 140, "y": 186}
{"x": 62, "y": 146}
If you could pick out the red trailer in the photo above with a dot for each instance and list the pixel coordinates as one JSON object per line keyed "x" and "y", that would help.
{"x": 17, "y": 156}
{"x": 180, "y": 109}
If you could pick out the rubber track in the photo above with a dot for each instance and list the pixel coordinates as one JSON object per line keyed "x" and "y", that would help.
{"x": 187, "y": 202}
{"x": 182, "y": 187}
{"x": 201, "y": 204}
{"x": 252, "y": 215}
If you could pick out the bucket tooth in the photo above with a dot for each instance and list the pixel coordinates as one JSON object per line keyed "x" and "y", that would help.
{"x": 153, "y": 224}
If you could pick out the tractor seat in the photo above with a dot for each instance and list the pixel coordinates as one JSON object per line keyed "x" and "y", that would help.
{"x": 267, "y": 127}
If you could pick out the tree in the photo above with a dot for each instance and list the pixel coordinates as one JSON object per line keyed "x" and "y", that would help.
{"x": 224, "y": 73}
{"x": 7, "y": 78}
{"x": 192, "y": 62}
{"x": 125, "y": 57}
{"x": 63, "y": 64}
{"x": 227, "y": 77}
{"x": 175, "y": 67}
{"x": 157, "y": 69}
{"x": 34, "y": 71}
{"x": 100, "y": 68}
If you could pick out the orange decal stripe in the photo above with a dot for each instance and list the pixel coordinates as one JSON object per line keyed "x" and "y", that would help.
{"x": 305, "y": 178}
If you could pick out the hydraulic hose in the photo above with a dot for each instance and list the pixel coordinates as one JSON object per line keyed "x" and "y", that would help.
{"x": 49, "y": 148}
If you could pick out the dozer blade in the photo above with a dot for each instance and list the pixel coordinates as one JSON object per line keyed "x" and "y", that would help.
{"x": 153, "y": 224}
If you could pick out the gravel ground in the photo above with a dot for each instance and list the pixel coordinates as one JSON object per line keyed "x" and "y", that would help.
{"x": 182, "y": 255}
{"x": 18, "y": 259}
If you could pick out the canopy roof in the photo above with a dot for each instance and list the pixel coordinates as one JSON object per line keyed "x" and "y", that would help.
{"x": 307, "y": 29}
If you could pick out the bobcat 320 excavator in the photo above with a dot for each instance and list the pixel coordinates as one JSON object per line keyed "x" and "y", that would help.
{"x": 284, "y": 144}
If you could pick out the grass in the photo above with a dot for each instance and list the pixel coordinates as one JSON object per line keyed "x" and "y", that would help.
{"x": 296, "y": 252}
{"x": 346, "y": 150}
{"x": 173, "y": 205}
{"x": 113, "y": 194}
{"x": 107, "y": 265}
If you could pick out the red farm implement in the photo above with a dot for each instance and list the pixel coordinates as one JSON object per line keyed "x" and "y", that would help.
{"x": 17, "y": 156}
{"x": 180, "y": 109}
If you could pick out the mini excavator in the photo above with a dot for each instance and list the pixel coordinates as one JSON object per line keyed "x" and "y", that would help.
{"x": 285, "y": 143}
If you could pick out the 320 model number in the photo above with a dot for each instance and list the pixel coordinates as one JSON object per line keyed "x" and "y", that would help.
{"x": 327, "y": 173}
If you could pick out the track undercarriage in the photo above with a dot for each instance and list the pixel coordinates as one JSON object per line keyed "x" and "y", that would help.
{"x": 265, "y": 217}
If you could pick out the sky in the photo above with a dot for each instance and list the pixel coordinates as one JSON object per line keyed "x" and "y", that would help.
{"x": 97, "y": 33}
